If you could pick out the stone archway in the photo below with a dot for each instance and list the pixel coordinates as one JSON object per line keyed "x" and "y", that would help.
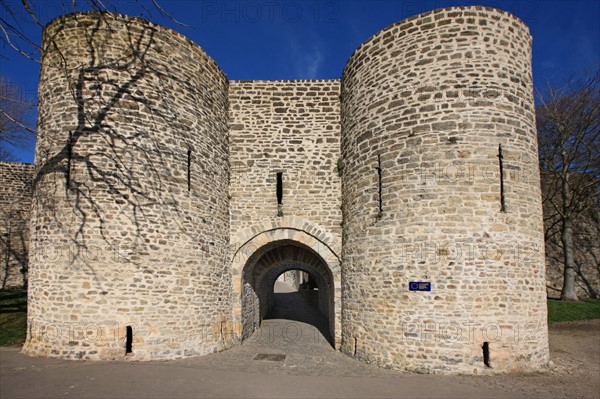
{"x": 262, "y": 270}
{"x": 260, "y": 257}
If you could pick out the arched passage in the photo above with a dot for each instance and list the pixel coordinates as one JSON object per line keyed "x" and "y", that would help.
{"x": 323, "y": 284}
{"x": 297, "y": 300}
{"x": 250, "y": 244}
{"x": 264, "y": 267}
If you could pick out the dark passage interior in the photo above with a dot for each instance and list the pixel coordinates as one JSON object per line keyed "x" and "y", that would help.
{"x": 299, "y": 305}
{"x": 288, "y": 284}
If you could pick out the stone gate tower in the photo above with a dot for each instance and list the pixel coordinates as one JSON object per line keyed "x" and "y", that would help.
{"x": 168, "y": 199}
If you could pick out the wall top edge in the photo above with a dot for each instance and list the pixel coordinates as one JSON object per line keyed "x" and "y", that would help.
{"x": 142, "y": 21}
{"x": 138, "y": 20}
{"x": 416, "y": 17}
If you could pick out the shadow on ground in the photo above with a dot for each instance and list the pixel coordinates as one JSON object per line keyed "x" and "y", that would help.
{"x": 290, "y": 305}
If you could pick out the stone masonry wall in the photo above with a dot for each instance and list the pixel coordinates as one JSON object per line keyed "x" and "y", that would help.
{"x": 288, "y": 127}
{"x": 168, "y": 199}
{"x": 586, "y": 244}
{"x": 425, "y": 105}
{"x": 292, "y": 128}
{"x": 587, "y": 258}
{"x": 293, "y": 278}
{"x": 130, "y": 217}
{"x": 15, "y": 203}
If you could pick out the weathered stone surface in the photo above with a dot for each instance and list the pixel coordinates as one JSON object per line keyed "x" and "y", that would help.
{"x": 302, "y": 144}
{"x": 586, "y": 244}
{"x": 130, "y": 216}
{"x": 157, "y": 201}
{"x": 430, "y": 210}
{"x": 15, "y": 202}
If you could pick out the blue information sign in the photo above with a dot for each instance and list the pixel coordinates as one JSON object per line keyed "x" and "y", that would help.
{"x": 419, "y": 286}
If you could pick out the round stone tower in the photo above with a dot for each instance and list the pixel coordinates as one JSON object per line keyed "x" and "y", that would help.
{"x": 131, "y": 253}
{"x": 443, "y": 262}
{"x": 130, "y": 222}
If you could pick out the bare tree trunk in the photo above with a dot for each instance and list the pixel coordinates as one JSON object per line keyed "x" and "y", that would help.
{"x": 568, "y": 123}
{"x": 6, "y": 241}
{"x": 568, "y": 290}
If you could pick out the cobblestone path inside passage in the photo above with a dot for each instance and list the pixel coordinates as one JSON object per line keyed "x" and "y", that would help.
{"x": 291, "y": 340}
{"x": 295, "y": 323}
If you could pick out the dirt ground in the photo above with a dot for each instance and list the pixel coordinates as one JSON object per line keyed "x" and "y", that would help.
{"x": 574, "y": 370}
{"x": 308, "y": 371}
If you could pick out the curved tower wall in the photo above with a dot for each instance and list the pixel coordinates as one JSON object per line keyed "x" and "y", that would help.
{"x": 130, "y": 222}
{"x": 130, "y": 229}
{"x": 426, "y": 103}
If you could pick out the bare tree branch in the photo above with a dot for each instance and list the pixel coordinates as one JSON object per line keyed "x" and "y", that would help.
{"x": 568, "y": 123}
{"x": 15, "y": 127}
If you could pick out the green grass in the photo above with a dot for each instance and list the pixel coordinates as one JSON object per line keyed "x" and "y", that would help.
{"x": 13, "y": 316}
{"x": 585, "y": 309}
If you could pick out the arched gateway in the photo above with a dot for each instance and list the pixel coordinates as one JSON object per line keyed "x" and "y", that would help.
{"x": 172, "y": 197}
{"x": 263, "y": 257}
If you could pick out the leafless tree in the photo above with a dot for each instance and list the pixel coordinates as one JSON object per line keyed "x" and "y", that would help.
{"x": 85, "y": 170}
{"x": 16, "y": 15}
{"x": 16, "y": 128}
{"x": 568, "y": 124}
{"x": 16, "y": 33}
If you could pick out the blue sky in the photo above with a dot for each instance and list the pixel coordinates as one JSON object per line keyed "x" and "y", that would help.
{"x": 281, "y": 39}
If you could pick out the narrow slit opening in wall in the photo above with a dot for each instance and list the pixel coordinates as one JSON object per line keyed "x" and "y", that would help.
{"x": 69, "y": 160}
{"x": 379, "y": 184}
{"x": 128, "y": 339}
{"x": 486, "y": 354}
{"x": 501, "y": 166}
{"x": 189, "y": 169}
{"x": 279, "y": 188}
